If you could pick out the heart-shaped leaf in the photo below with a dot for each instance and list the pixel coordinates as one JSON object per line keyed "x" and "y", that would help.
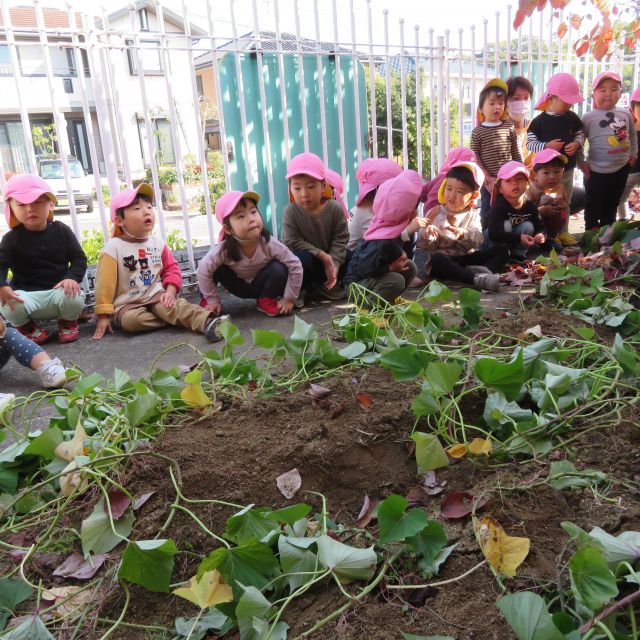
{"x": 394, "y": 521}
{"x": 346, "y": 563}
{"x": 429, "y": 452}
{"x": 149, "y": 563}
{"x": 207, "y": 592}
{"x": 505, "y": 553}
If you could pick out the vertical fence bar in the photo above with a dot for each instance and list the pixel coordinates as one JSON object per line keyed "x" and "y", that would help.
{"x": 447, "y": 89}
{"x": 265, "y": 122}
{"x": 283, "y": 83}
{"x": 86, "y": 112}
{"x": 530, "y": 54}
{"x": 200, "y": 126}
{"x": 460, "y": 91}
{"x": 497, "y": 51}
{"x": 569, "y": 46}
{"x": 443, "y": 119}
{"x": 473, "y": 73}
{"x": 550, "y": 46}
{"x": 372, "y": 83}
{"x": 509, "y": 41}
{"x": 585, "y": 90}
{"x": 520, "y": 54}
{"x": 303, "y": 91}
{"x": 17, "y": 79}
{"x": 356, "y": 81}
{"x": 338, "y": 63}
{"x": 416, "y": 29}
{"x": 403, "y": 98}
{"x": 485, "y": 52}
{"x": 387, "y": 67}
{"x": 323, "y": 115}
{"x": 432, "y": 110}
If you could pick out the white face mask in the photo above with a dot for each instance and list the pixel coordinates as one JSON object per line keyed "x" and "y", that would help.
{"x": 518, "y": 107}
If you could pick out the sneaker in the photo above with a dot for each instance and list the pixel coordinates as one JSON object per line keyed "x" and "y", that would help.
{"x": 268, "y": 306}
{"x": 212, "y": 328}
{"x": 6, "y": 400}
{"x": 33, "y": 332}
{"x": 68, "y": 330}
{"x": 487, "y": 282}
{"x": 299, "y": 303}
{"x": 335, "y": 293}
{"x": 52, "y": 374}
{"x": 478, "y": 269}
{"x": 567, "y": 239}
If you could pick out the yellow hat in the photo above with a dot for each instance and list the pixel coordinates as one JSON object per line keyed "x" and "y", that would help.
{"x": 497, "y": 83}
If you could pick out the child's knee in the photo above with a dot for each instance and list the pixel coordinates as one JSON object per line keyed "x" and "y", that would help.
{"x": 278, "y": 270}
{"x": 71, "y": 306}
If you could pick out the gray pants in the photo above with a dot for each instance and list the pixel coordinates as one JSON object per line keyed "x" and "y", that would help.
{"x": 390, "y": 285}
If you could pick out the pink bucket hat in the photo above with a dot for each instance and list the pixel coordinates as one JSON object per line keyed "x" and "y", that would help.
{"x": 372, "y": 173}
{"x": 547, "y": 155}
{"x": 394, "y": 205}
{"x": 124, "y": 199}
{"x": 228, "y": 202}
{"x": 602, "y": 76}
{"x": 635, "y": 96}
{"x": 308, "y": 164}
{"x": 334, "y": 180}
{"x": 25, "y": 188}
{"x": 476, "y": 171}
{"x": 563, "y": 85}
{"x": 508, "y": 170}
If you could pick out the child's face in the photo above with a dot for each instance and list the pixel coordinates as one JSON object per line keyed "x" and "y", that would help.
{"x": 493, "y": 107}
{"x": 548, "y": 176}
{"x": 557, "y": 105}
{"x": 245, "y": 222}
{"x": 34, "y": 215}
{"x": 307, "y": 191}
{"x": 139, "y": 219}
{"x": 513, "y": 188}
{"x": 607, "y": 94}
{"x": 636, "y": 111}
{"x": 457, "y": 195}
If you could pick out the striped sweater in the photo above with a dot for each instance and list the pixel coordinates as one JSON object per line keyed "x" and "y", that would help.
{"x": 494, "y": 146}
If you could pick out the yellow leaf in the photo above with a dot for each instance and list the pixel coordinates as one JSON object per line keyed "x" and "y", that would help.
{"x": 479, "y": 445}
{"x": 59, "y": 594}
{"x": 73, "y": 479}
{"x": 505, "y": 553}
{"x": 72, "y": 448}
{"x": 209, "y": 591}
{"x": 457, "y": 450}
{"x": 194, "y": 396}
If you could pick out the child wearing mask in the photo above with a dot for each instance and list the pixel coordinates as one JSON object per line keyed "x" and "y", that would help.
{"x": 634, "y": 170}
{"x": 559, "y": 128}
{"x": 613, "y": 148}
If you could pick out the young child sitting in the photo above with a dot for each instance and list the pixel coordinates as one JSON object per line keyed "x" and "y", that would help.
{"x": 613, "y": 147}
{"x": 430, "y": 189}
{"x": 46, "y": 260}
{"x": 547, "y": 192}
{"x": 315, "y": 227}
{"x": 446, "y": 248}
{"x": 138, "y": 278}
{"x": 494, "y": 140}
{"x": 513, "y": 220}
{"x": 379, "y": 262}
{"x": 634, "y": 170}
{"x": 558, "y": 128}
{"x": 248, "y": 262}
{"x": 29, "y": 354}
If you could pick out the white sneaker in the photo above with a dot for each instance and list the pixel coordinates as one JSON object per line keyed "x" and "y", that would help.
{"x": 6, "y": 400}
{"x": 52, "y": 374}
{"x": 487, "y": 281}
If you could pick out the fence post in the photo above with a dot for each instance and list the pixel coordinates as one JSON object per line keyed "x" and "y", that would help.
{"x": 443, "y": 117}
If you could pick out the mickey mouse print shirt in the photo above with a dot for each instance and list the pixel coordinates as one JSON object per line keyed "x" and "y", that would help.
{"x": 612, "y": 139}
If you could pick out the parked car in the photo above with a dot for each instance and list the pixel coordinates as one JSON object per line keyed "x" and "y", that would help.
{"x": 50, "y": 168}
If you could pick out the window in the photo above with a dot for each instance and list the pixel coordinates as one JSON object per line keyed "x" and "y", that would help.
{"x": 144, "y": 20}
{"x": 67, "y": 83}
{"x": 13, "y": 148}
{"x": 161, "y": 128}
{"x": 32, "y": 61}
{"x": 6, "y": 68}
{"x": 150, "y": 56}
{"x": 199, "y": 85}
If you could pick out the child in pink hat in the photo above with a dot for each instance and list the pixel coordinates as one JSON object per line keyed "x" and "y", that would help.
{"x": 559, "y": 128}
{"x": 334, "y": 180}
{"x": 46, "y": 260}
{"x": 379, "y": 262}
{"x": 613, "y": 149}
{"x": 248, "y": 262}
{"x": 315, "y": 227}
{"x": 634, "y": 170}
{"x": 430, "y": 190}
{"x": 138, "y": 279}
{"x": 514, "y": 222}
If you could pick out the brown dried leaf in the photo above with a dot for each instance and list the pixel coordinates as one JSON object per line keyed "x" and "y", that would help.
{"x": 318, "y": 392}
{"x": 337, "y": 410}
{"x": 289, "y": 483}
{"x": 460, "y": 504}
{"x": 119, "y": 503}
{"x": 417, "y": 496}
{"x": 367, "y": 512}
{"x": 138, "y": 501}
{"x": 75, "y": 566}
{"x": 58, "y": 594}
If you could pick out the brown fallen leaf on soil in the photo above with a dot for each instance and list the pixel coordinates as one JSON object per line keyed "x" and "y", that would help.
{"x": 505, "y": 553}
{"x": 58, "y": 594}
{"x": 75, "y": 566}
{"x": 138, "y": 501}
{"x": 119, "y": 503}
{"x": 460, "y": 504}
{"x": 367, "y": 512}
{"x": 431, "y": 484}
{"x": 317, "y": 392}
{"x": 289, "y": 483}
{"x": 364, "y": 400}
{"x": 417, "y": 496}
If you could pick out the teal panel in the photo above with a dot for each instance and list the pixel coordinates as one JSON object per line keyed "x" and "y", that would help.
{"x": 274, "y": 110}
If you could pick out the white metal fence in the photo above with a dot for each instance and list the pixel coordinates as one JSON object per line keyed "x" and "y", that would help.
{"x": 137, "y": 81}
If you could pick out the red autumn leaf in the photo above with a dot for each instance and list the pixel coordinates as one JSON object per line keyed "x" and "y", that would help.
{"x": 138, "y": 501}
{"x": 119, "y": 503}
{"x": 541, "y": 4}
{"x": 459, "y": 504}
{"x": 289, "y": 483}
{"x": 635, "y": 27}
{"x": 318, "y": 392}
{"x": 364, "y": 400}
{"x": 75, "y": 566}
{"x": 582, "y": 49}
{"x": 600, "y": 48}
{"x": 559, "y": 4}
{"x": 562, "y": 30}
{"x": 576, "y": 21}
{"x": 367, "y": 512}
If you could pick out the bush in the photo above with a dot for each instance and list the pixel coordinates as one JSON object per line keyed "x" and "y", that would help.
{"x": 92, "y": 242}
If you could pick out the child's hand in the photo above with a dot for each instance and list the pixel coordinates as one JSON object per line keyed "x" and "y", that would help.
{"x": 214, "y": 307}
{"x": 556, "y": 144}
{"x": 456, "y": 232}
{"x": 8, "y": 296}
{"x": 400, "y": 264}
{"x": 285, "y": 306}
{"x": 571, "y": 148}
{"x": 103, "y": 325}
{"x": 168, "y": 299}
{"x": 548, "y": 210}
{"x": 539, "y": 238}
{"x": 329, "y": 269}
{"x": 416, "y": 224}
{"x": 71, "y": 287}
{"x": 526, "y": 239}
{"x": 431, "y": 231}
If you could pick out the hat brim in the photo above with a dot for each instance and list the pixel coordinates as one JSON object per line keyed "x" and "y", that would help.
{"x": 305, "y": 171}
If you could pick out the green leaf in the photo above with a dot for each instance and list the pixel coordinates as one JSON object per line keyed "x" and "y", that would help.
{"x": 582, "y": 538}
{"x": 626, "y": 356}
{"x": 13, "y": 451}
{"x": 429, "y": 452}
{"x": 472, "y": 309}
{"x": 291, "y": 514}
{"x": 250, "y": 563}
{"x": 267, "y": 339}
{"x": 45, "y": 443}
{"x": 149, "y": 563}
{"x": 297, "y": 559}
{"x": 620, "y": 548}
{"x": 120, "y": 379}
{"x": 9, "y": 480}
{"x": 252, "y": 610}
{"x": 353, "y": 351}
{"x": 437, "y": 292}
{"x": 393, "y": 521}
{"x": 96, "y": 533}
{"x": 425, "y": 404}
{"x": 249, "y": 524}
{"x": 441, "y": 377}
{"x": 31, "y": 628}
{"x": 527, "y": 614}
{"x": 586, "y": 333}
{"x": 231, "y": 334}
{"x": 345, "y": 562}
{"x": 498, "y": 411}
{"x": 406, "y": 362}
{"x": 592, "y": 581}
{"x": 303, "y": 331}
{"x": 507, "y": 377}
{"x": 214, "y": 621}
{"x": 564, "y": 475}
{"x": 427, "y": 544}
{"x": 13, "y": 591}
{"x": 140, "y": 408}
